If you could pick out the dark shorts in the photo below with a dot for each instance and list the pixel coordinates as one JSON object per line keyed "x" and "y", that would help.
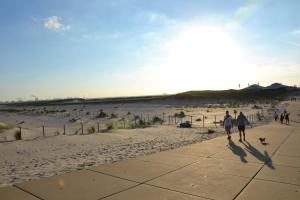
{"x": 241, "y": 127}
{"x": 228, "y": 128}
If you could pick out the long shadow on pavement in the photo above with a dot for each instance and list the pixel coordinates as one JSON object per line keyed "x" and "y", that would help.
{"x": 264, "y": 157}
{"x": 237, "y": 150}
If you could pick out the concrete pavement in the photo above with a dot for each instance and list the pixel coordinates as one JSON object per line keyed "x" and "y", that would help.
{"x": 213, "y": 169}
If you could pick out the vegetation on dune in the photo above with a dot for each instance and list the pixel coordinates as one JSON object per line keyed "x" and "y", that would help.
{"x": 91, "y": 129}
{"x": 243, "y": 95}
{"x": 4, "y": 126}
{"x": 180, "y": 115}
{"x": 157, "y": 119}
{"x": 101, "y": 114}
{"x": 113, "y": 116}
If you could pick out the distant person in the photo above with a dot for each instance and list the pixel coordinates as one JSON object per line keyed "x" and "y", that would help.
{"x": 275, "y": 116}
{"x": 287, "y": 118}
{"x": 228, "y": 124}
{"x": 281, "y": 118}
{"x": 241, "y": 122}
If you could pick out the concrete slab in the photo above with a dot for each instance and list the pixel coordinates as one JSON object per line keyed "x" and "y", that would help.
{"x": 289, "y": 151}
{"x": 147, "y": 192}
{"x": 9, "y": 193}
{"x": 268, "y": 190}
{"x": 280, "y": 174}
{"x": 77, "y": 185}
{"x": 246, "y": 152}
{"x": 136, "y": 170}
{"x": 200, "y": 150}
{"x": 204, "y": 183}
{"x": 171, "y": 159}
{"x": 229, "y": 167}
{"x": 289, "y": 161}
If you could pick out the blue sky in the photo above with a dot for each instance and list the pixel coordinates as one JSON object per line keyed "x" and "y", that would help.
{"x": 104, "y": 48}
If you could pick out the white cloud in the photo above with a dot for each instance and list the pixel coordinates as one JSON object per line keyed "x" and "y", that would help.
{"x": 54, "y": 23}
{"x": 156, "y": 18}
{"x": 296, "y": 32}
{"x": 246, "y": 11}
{"x": 293, "y": 44}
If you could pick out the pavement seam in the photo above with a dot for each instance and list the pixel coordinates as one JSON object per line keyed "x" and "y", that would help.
{"x": 177, "y": 191}
{"x": 119, "y": 191}
{"x": 277, "y": 181}
{"x": 114, "y": 176}
{"x": 264, "y": 164}
{"x": 28, "y": 192}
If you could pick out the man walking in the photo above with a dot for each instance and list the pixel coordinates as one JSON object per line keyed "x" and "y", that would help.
{"x": 241, "y": 122}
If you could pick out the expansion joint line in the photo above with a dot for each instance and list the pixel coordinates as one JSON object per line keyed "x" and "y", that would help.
{"x": 292, "y": 131}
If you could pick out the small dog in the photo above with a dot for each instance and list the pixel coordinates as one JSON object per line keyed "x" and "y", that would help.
{"x": 262, "y": 139}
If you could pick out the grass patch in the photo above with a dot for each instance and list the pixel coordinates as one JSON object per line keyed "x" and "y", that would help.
{"x": 4, "y": 126}
{"x": 91, "y": 130}
{"x": 109, "y": 126}
{"x": 101, "y": 114}
{"x": 180, "y": 115}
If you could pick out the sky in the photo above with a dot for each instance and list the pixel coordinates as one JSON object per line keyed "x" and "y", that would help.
{"x": 110, "y": 48}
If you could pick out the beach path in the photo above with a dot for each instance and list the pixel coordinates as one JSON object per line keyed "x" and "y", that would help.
{"x": 213, "y": 169}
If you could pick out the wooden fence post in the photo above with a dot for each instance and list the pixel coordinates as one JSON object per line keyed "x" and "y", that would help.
{"x": 98, "y": 127}
{"x": 43, "y": 130}
{"x": 216, "y": 121}
{"x": 81, "y": 128}
{"x": 191, "y": 119}
{"x": 64, "y": 129}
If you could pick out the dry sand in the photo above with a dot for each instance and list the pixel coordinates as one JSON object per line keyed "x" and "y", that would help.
{"x": 36, "y": 156}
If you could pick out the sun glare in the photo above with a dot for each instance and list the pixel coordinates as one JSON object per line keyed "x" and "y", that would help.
{"x": 202, "y": 53}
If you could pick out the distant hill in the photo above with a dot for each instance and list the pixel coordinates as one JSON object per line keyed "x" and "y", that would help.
{"x": 275, "y": 91}
{"x": 270, "y": 87}
{"x": 276, "y": 86}
{"x": 254, "y": 87}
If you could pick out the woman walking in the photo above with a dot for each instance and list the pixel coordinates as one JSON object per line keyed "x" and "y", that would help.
{"x": 228, "y": 124}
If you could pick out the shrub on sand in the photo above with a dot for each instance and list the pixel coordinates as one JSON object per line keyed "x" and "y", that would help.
{"x": 91, "y": 129}
{"x": 101, "y": 114}
{"x": 113, "y": 116}
{"x": 109, "y": 126}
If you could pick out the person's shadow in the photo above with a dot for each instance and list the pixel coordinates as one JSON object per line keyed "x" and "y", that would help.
{"x": 264, "y": 157}
{"x": 237, "y": 150}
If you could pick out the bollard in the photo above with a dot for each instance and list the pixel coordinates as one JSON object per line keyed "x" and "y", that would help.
{"x": 169, "y": 119}
{"x": 64, "y": 129}
{"x": 98, "y": 127}
{"x": 81, "y": 128}
{"x": 44, "y": 131}
{"x": 191, "y": 120}
{"x": 203, "y": 121}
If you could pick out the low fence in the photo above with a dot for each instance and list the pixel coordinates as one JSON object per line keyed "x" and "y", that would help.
{"x": 203, "y": 122}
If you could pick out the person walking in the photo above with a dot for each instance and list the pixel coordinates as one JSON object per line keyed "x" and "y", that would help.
{"x": 228, "y": 124}
{"x": 281, "y": 118}
{"x": 275, "y": 115}
{"x": 241, "y": 122}
{"x": 287, "y": 118}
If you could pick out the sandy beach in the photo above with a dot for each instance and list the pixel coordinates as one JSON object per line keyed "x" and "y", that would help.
{"x": 37, "y": 156}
